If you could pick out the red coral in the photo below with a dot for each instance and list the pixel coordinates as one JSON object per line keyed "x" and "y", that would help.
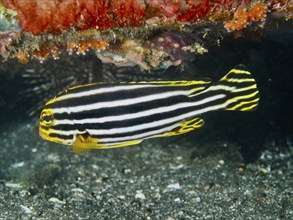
{"x": 169, "y": 8}
{"x": 130, "y": 14}
{"x": 38, "y": 16}
{"x": 195, "y": 10}
{"x": 41, "y": 16}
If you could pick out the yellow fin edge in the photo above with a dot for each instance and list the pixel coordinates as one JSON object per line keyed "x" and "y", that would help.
{"x": 83, "y": 144}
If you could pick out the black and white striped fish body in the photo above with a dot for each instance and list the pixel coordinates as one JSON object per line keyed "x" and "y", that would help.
{"x": 122, "y": 114}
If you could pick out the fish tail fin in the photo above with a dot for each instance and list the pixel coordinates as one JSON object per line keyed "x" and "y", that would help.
{"x": 241, "y": 90}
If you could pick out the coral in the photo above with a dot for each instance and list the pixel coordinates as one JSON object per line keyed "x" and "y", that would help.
{"x": 243, "y": 17}
{"x": 6, "y": 39}
{"x": 176, "y": 44}
{"x": 150, "y": 33}
{"x": 24, "y": 46}
{"x": 35, "y": 16}
{"x": 54, "y": 16}
{"x": 190, "y": 11}
{"x": 83, "y": 46}
{"x": 80, "y": 47}
{"x": 283, "y": 8}
{"x": 161, "y": 50}
{"x": 7, "y": 21}
{"x": 23, "y": 57}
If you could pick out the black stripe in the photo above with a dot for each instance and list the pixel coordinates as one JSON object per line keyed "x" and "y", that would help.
{"x": 135, "y": 133}
{"x": 118, "y": 95}
{"x": 127, "y": 122}
{"x": 120, "y": 110}
{"x": 161, "y": 84}
{"x": 248, "y": 105}
{"x": 250, "y": 100}
{"x": 234, "y": 75}
{"x": 237, "y": 84}
{"x": 116, "y": 111}
{"x": 61, "y": 137}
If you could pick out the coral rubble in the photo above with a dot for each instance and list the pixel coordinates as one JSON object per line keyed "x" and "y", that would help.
{"x": 6, "y": 39}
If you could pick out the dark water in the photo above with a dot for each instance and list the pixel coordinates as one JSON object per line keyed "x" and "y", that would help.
{"x": 268, "y": 55}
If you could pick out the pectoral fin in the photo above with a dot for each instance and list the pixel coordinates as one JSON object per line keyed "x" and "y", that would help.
{"x": 184, "y": 127}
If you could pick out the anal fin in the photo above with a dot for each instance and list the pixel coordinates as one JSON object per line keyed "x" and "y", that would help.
{"x": 184, "y": 127}
{"x": 122, "y": 144}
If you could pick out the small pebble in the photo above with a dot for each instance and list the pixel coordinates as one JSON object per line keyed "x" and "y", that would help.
{"x": 174, "y": 186}
{"x": 18, "y": 165}
{"x": 13, "y": 185}
{"x": 121, "y": 197}
{"x": 176, "y": 167}
{"x": 222, "y": 162}
{"x": 180, "y": 214}
{"x": 78, "y": 190}
{"x": 25, "y": 209}
{"x": 197, "y": 199}
{"x": 177, "y": 200}
{"x": 56, "y": 200}
{"x": 139, "y": 195}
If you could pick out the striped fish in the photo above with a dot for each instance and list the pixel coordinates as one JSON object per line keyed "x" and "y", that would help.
{"x": 110, "y": 115}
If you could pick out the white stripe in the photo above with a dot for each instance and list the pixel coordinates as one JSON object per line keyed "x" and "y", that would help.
{"x": 145, "y": 135}
{"x": 123, "y": 102}
{"x": 239, "y": 80}
{"x": 221, "y": 87}
{"x": 159, "y": 131}
{"x": 232, "y": 89}
{"x": 244, "y": 89}
{"x": 137, "y": 114}
{"x": 237, "y": 71}
{"x": 145, "y": 125}
{"x": 102, "y": 91}
{"x": 236, "y": 99}
{"x": 151, "y": 124}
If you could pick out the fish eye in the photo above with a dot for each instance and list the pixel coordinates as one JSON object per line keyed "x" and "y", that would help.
{"x": 47, "y": 118}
